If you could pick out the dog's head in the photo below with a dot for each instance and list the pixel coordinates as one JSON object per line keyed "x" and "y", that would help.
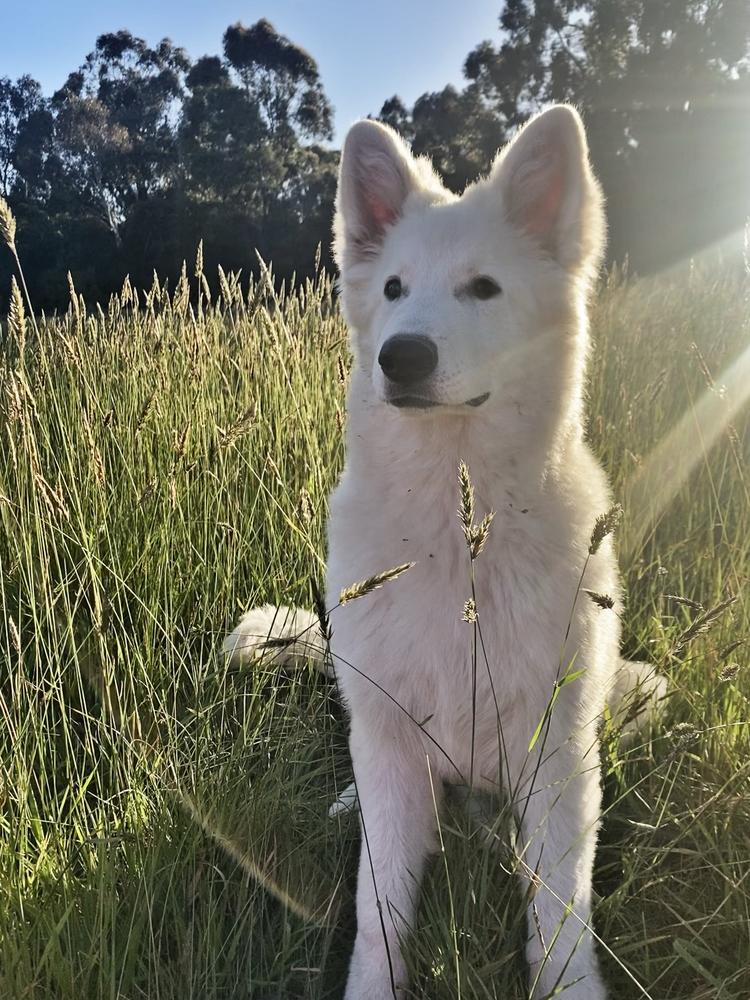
{"x": 454, "y": 299}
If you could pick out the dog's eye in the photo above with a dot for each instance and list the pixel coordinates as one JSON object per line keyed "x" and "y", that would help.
{"x": 484, "y": 287}
{"x": 392, "y": 290}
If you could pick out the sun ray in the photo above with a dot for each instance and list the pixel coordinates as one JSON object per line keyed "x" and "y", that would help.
{"x": 659, "y": 478}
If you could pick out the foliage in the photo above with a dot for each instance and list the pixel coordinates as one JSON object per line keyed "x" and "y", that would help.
{"x": 112, "y": 121}
{"x": 141, "y": 153}
{"x": 665, "y": 91}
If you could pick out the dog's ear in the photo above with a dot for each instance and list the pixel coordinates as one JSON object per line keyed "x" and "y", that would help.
{"x": 377, "y": 174}
{"x": 548, "y": 190}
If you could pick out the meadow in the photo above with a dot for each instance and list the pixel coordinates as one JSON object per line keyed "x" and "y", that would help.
{"x": 165, "y": 460}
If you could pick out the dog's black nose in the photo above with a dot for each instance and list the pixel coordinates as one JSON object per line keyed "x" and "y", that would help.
{"x": 408, "y": 357}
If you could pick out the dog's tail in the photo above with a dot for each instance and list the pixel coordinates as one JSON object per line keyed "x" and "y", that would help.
{"x": 287, "y": 636}
{"x": 635, "y": 697}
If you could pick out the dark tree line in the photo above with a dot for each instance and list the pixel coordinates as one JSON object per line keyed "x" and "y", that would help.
{"x": 142, "y": 152}
{"x": 664, "y": 86}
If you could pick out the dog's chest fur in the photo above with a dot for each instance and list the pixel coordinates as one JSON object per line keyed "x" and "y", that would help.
{"x": 397, "y": 503}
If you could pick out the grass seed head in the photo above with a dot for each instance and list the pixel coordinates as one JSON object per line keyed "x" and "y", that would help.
{"x": 479, "y": 534}
{"x": 605, "y": 525}
{"x": 729, "y": 672}
{"x": 475, "y": 534}
{"x": 7, "y": 225}
{"x": 371, "y": 583}
{"x": 466, "y": 490}
{"x": 242, "y": 425}
{"x": 126, "y": 292}
{"x": 601, "y": 600}
{"x": 17, "y": 316}
{"x": 683, "y": 736}
{"x": 702, "y": 624}
{"x": 686, "y": 602}
{"x": 305, "y": 506}
{"x": 145, "y": 412}
{"x": 180, "y": 445}
{"x": 470, "y": 611}
{"x": 730, "y": 648}
{"x": 15, "y": 637}
{"x": 226, "y": 291}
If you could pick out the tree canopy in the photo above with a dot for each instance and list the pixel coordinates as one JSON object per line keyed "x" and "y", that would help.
{"x": 143, "y": 152}
{"x": 665, "y": 91}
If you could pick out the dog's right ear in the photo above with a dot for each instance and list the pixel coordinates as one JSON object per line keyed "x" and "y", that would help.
{"x": 377, "y": 174}
{"x": 549, "y": 191}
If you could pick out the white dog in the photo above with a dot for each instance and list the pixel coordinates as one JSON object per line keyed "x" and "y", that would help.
{"x": 468, "y": 319}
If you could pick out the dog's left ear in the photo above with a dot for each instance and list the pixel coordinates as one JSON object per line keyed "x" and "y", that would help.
{"x": 548, "y": 189}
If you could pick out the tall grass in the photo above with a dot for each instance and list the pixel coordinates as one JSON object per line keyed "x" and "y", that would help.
{"x": 164, "y": 463}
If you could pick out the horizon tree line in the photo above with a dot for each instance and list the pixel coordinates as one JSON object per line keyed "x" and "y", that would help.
{"x": 143, "y": 152}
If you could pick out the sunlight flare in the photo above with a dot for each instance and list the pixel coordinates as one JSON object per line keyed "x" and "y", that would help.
{"x": 662, "y": 474}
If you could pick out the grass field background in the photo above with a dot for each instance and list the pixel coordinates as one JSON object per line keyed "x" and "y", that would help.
{"x": 164, "y": 464}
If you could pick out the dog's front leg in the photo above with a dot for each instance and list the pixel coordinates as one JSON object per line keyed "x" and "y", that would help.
{"x": 558, "y": 804}
{"x": 397, "y": 799}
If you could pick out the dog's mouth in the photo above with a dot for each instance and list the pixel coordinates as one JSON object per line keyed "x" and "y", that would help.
{"x": 407, "y": 402}
{"x": 413, "y": 402}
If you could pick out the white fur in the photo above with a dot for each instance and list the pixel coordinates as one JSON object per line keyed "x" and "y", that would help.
{"x": 275, "y": 635}
{"x": 535, "y": 225}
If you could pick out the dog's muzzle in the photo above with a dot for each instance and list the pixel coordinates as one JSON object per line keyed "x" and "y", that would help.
{"x": 407, "y": 361}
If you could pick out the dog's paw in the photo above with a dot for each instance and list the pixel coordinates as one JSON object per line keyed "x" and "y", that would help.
{"x": 346, "y": 802}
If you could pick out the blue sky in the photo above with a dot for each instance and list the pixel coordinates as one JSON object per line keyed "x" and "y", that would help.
{"x": 366, "y": 51}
